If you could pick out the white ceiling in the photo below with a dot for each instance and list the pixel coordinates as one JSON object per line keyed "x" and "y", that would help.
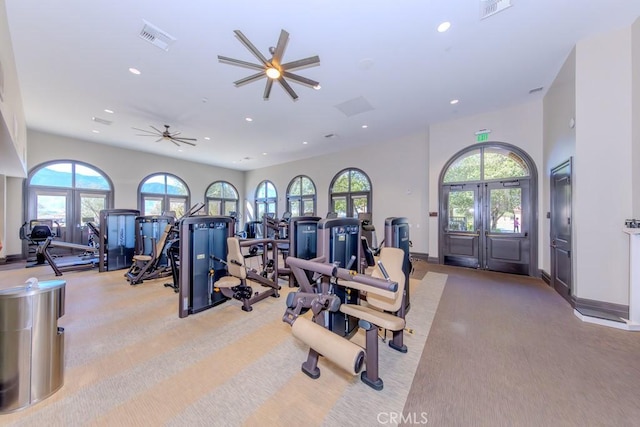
{"x": 73, "y": 58}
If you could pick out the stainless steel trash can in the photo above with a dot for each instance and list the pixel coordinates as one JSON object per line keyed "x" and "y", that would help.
{"x": 31, "y": 343}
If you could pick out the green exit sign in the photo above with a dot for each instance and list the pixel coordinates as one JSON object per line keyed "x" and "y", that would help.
{"x": 482, "y": 135}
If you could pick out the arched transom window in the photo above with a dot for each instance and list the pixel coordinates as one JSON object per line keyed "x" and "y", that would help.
{"x": 301, "y": 196}
{"x": 350, "y": 193}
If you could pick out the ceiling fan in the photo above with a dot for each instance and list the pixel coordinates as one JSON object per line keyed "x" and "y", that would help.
{"x": 169, "y": 136}
{"x": 273, "y": 69}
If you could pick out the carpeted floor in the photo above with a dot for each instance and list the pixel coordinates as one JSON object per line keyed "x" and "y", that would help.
{"x": 508, "y": 351}
{"x": 131, "y": 361}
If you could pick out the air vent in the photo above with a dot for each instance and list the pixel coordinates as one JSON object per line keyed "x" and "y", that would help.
{"x": 354, "y": 106}
{"x": 330, "y": 135}
{"x": 156, "y": 36}
{"x": 537, "y": 89}
{"x": 491, "y": 7}
{"x": 101, "y": 121}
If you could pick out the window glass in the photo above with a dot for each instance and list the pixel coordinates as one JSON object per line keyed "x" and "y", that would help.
{"x": 176, "y": 186}
{"x": 501, "y": 163}
{"x": 461, "y": 205}
{"x": 90, "y": 179}
{"x": 466, "y": 168}
{"x": 294, "y": 187}
{"x": 56, "y": 175}
{"x": 229, "y": 192}
{"x": 271, "y": 190}
{"x": 154, "y": 184}
{"x": 213, "y": 207}
{"x": 341, "y": 183}
{"x": 308, "y": 188}
{"x": 215, "y": 190}
{"x": 359, "y": 182}
{"x": 506, "y": 211}
{"x": 153, "y": 206}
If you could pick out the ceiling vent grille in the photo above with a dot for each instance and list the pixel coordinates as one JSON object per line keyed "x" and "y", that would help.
{"x": 491, "y": 7}
{"x": 156, "y": 36}
{"x": 102, "y": 121}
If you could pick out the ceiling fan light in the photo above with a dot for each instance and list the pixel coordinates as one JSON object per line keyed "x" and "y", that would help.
{"x": 273, "y": 73}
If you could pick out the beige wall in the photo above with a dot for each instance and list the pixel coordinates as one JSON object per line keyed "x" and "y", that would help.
{"x": 520, "y": 125}
{"x": 603, "y": 166}
{"x": 125, "y": 168}
{"x": 398, "y": 173}
{"x": 559, "y": 108}
{"x": 635, "y": 116}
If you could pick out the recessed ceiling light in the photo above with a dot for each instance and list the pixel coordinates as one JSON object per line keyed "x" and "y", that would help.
{"x": 134, "y": 71}
{"x": 305, "y": 142}
{"x": 364, "y": 126}
{"x": 207, "y": 138}
{"x": 454, "y": 101}
{"x": 95, "y": 131}
{"x": 264, "y": 154}
{"x": 317, "y": 87}
{"x": 444, "y": 27}
{"x": 179, "y": 150}
{"x": 249, "y": 119}
{"x": 106, "y": 110}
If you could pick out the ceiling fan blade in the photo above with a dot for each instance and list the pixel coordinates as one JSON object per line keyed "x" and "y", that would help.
{"x": 187, "y": 142}
{"x": 184, "y": 139}
{"x": 159, "y": 139}
{"x": 280, "y": 47}
{"x": 156, "y": 129}
{"x": 245, "y": 41}
{"x": 251, "y": 78}
{"x": 143, "y": 130}
{"x": 299, "y": 79}
{"x": 267, "y": 89}
{"x": 311, "y": 61}
{"x": 288, "y": 88}
{"x": 148, "y": 134}
{"x": 239, "y": 63}
{"x": 171, "y": 139}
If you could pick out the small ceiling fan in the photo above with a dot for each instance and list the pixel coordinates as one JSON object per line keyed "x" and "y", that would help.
{"x": 169, "y": 136}
{"x": 273, "y": 69}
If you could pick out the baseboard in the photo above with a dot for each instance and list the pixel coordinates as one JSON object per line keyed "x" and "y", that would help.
{"x": 12, "y": 258}
{"x": 419, "y": 255}
{"x": 605, "y": 310}
{"x": 546, "y": 277}
{"x": 434, "y": 260}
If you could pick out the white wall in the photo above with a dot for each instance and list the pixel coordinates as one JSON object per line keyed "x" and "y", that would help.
{"x": 603, "y": 166}
{"x": 13, "y": 148}
{"x": 635, "y": 116}
{"x": 520, "y": 125}
{"x": 398, "y": 173}
{"x": 559, "y": 106}
{"x": 125, "y": 168}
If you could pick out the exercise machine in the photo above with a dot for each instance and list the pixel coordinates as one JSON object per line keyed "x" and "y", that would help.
{"x": 147, "y": 267}
{"x": 384, "y": 290}
{"x": 118, "y": 231}
{"x": 303, "y": 240}
{"x": 35, "y": 232}
{"x": 88, "y": 259}
{"x": 234, "y": 284}
{"x": 338, "y": 242}
{"x": 396, "y": 235}
{"x": 203, "y": 239}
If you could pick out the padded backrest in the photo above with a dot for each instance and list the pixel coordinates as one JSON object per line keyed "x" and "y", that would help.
{"x": 392, "y": 260}
{"x": 162, "y": 240}
{"x": 235, "y": 257}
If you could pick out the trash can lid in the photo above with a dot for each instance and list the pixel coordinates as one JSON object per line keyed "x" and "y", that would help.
{"x": 26, "y": 290}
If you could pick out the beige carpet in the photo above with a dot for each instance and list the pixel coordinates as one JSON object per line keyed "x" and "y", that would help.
{"x": 131, "y": 361}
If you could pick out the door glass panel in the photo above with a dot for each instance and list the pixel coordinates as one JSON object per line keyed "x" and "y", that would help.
{"x": 229, "y": 207}
{"x": 461, "y": 210}
{"x": 359, "y": 204}
{"x": 260, "y": 211}
{"x": 214, "y": 207}
{"x": 339, "y": 204}
{"x": 294, "y": 207}
{"x": 179, "y": 206}
{"x": 153, "y": 206}
{"x": 506, "y": 210}
{"x": 90, "y": 207}
{"x": 52, "y": 207}
{"x": 308, "y": 207}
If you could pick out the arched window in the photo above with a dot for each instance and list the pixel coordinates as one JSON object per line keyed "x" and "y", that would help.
{"x": 350, "y": 193}
{"x": 221, "y": 198}
{"x": 70, "y": 194}
{"x": 488, "y": 206}
{"x": 163, "y": 192}
{"x": 266, "y": 200}
{"x": 301, "y": 196}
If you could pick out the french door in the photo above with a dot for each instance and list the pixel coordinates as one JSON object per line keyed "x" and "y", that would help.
{"x": 486, "y": 225}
